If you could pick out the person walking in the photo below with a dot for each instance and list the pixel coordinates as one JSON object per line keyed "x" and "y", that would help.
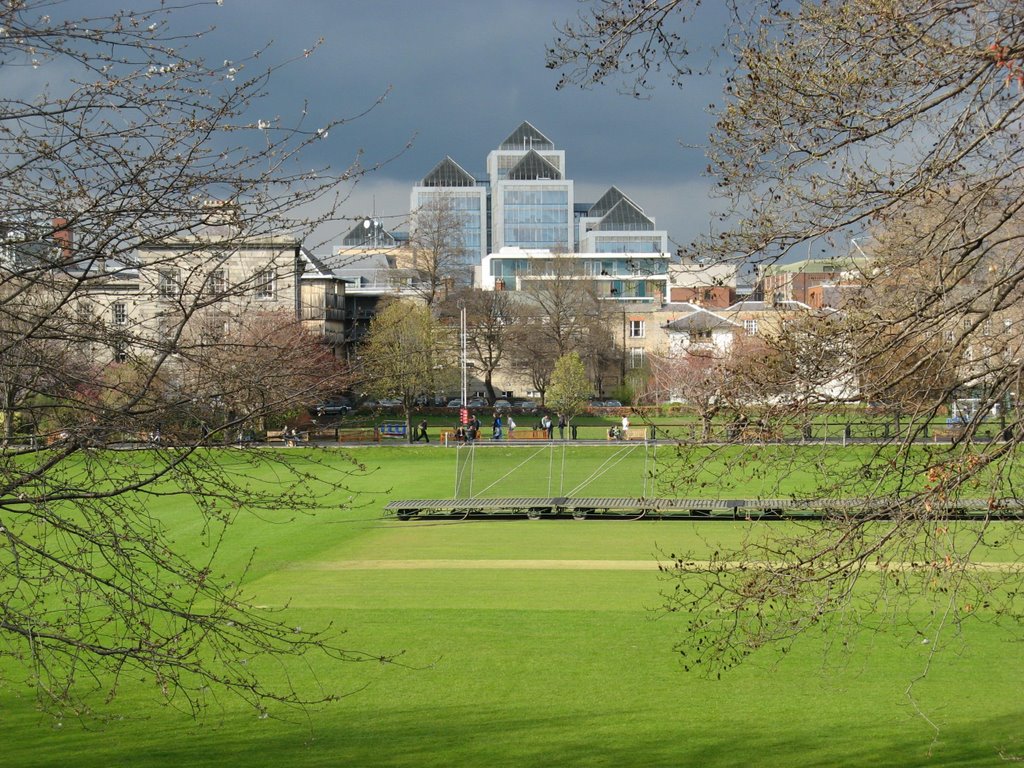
{"x": 422, "y": 433}
{"x": 562, "y": 424}
{"x": 511, "y": 427}
{"x": 548, "y": 426}
{"x": 624, "y": 435}
{"x": 496, "y": 427}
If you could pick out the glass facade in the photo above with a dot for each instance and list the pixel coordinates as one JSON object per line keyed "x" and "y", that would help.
{"x": 507, "y": 269}
{"x": 506, "y": 162}
{"x": 536, "y": 216}
{"x": 627, "y": 245}
{"x": 470, "y": 211}
{"x": 623, "y": 266}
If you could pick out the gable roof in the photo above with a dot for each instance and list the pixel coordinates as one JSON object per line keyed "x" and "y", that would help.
{"x": 701, "y": 320}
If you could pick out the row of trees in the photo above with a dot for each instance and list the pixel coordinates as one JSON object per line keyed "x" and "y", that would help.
{"x": 414, "y": 349}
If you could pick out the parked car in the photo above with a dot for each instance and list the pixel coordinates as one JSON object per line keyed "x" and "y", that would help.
{"x": 390, "y": 402}
{"x": 477, "y": 402}
{"x": 612, "y": 404}
{"x": 456, "y": 403}
{"x": 332, "y": 408}
{"x": 502, "y": 405}
{"x": 526, "y": 406}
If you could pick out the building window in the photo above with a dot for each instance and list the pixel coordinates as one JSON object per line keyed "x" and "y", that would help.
{"x": 750, "y": 326}
{"x": 700, "y": 336}
{"x": 218, "y": 282}
{"x": 265, "y": 284}
{"x": 119, "y": 313}
{"x": 120, "y": 352}
{"x": 636, "y": 358}
{"x": 636, "y": 329}
{"x": 167, "y": 288}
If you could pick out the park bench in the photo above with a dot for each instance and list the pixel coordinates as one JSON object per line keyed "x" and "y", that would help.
{"x": 947, "y": 433}
{"x": 358, "y": 435}
{"x": 529, "y": 434}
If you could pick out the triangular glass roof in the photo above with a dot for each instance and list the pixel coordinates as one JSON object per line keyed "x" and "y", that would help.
{"x": 527, "y": 137}
{"x": 369, "y": 233}
{"x": 606, "y": 203}
{"x": 624, "y": 215}
{"x": 533, "y": 166}
{"x": 448, "y": 173}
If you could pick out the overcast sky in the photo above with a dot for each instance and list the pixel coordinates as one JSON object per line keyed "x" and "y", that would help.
{"x": 463, "y": 74}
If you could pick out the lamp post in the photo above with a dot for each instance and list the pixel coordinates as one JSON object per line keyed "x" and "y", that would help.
{"x": 465, "y": 380}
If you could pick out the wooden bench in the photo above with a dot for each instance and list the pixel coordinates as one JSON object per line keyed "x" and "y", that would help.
{"x": 358, "y": 435}
{"x": 529, "y": 434}
{"x": 947, "y": 433}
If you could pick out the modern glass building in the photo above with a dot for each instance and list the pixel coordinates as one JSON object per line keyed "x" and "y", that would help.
{"x": 616, "y": 224}
{"x": 527, "y": 202}
{"x": 622, "y": 277}
{"x": 531, "y": 200}
{"x": 450, "y": 191}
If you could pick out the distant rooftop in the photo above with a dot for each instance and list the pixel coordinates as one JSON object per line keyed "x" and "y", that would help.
{"x": 526, "y": 137}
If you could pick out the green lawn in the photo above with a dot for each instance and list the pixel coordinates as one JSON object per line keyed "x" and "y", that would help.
{"x": 513, "y": 664}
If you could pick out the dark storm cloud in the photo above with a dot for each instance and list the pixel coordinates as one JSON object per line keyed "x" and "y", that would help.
{"x": 462, "y": 76}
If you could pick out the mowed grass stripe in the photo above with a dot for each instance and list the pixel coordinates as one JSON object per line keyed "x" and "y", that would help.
{"x": 555, "y": 666}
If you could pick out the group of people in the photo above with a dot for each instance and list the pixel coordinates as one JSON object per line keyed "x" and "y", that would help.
{"x": 620, "y": 433}
{"x": 470, "y": 431}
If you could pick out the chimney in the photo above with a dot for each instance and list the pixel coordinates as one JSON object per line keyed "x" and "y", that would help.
{"x": 63, "y": 236}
